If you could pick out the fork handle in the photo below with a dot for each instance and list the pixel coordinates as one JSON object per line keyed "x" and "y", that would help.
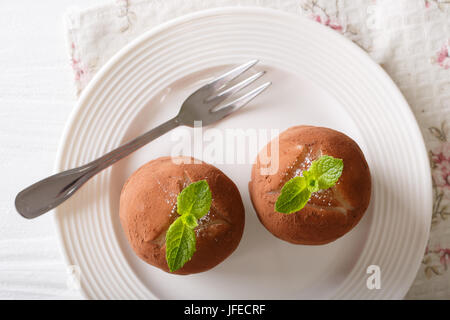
{"x": 50, "y": 192}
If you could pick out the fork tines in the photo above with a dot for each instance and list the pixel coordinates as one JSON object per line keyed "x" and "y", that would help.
{"x": 222, "y": 81}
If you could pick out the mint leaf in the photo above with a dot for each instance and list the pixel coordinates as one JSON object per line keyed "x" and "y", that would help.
{"x": 189, "y": 220}
{"x": 294, "y": 196}
{"x": 195, "y": 199}
{"x": 193, "y": 202}
{"x": 327, "y": 170}
{"x": 323, "y": 174}
{"x": 180, "y": 244}
{"x": 311, "y": 182}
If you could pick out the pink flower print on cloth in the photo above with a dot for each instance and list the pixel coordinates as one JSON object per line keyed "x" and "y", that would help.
{"x": 442, "y": 56}
{"x": 440, "y": 157}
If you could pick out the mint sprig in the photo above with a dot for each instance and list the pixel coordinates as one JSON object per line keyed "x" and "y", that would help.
{"x": 193, "y": 202}
{"x": 322, "y": 174}
{"x": 195, "y": 199}
{"x": 180, "y": 244}
{"x": 327, "y": 171}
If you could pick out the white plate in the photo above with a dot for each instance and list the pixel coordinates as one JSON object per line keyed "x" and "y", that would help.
{"x": 319, "y": 78}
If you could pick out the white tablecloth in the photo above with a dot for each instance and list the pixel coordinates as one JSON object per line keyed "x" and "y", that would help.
{"x": 409, "y": 38}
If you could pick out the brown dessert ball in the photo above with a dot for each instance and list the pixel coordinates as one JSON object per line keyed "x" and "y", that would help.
{"x": 148, "y": 207}
{"x": 330, "y": 213}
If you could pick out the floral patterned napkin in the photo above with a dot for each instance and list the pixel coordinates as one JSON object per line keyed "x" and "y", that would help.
{"x": 410, "y": 39}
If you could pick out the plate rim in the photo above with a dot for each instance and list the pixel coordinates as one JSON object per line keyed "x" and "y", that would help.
{"x": 107, "y": 67}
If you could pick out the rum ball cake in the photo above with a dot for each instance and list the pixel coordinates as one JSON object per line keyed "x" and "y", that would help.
{"x": 330, "y": 213}
{"x": 148, "y": 206}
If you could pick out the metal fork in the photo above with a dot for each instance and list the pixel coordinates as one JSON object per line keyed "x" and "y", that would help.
{"x": 203, "y": 105}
